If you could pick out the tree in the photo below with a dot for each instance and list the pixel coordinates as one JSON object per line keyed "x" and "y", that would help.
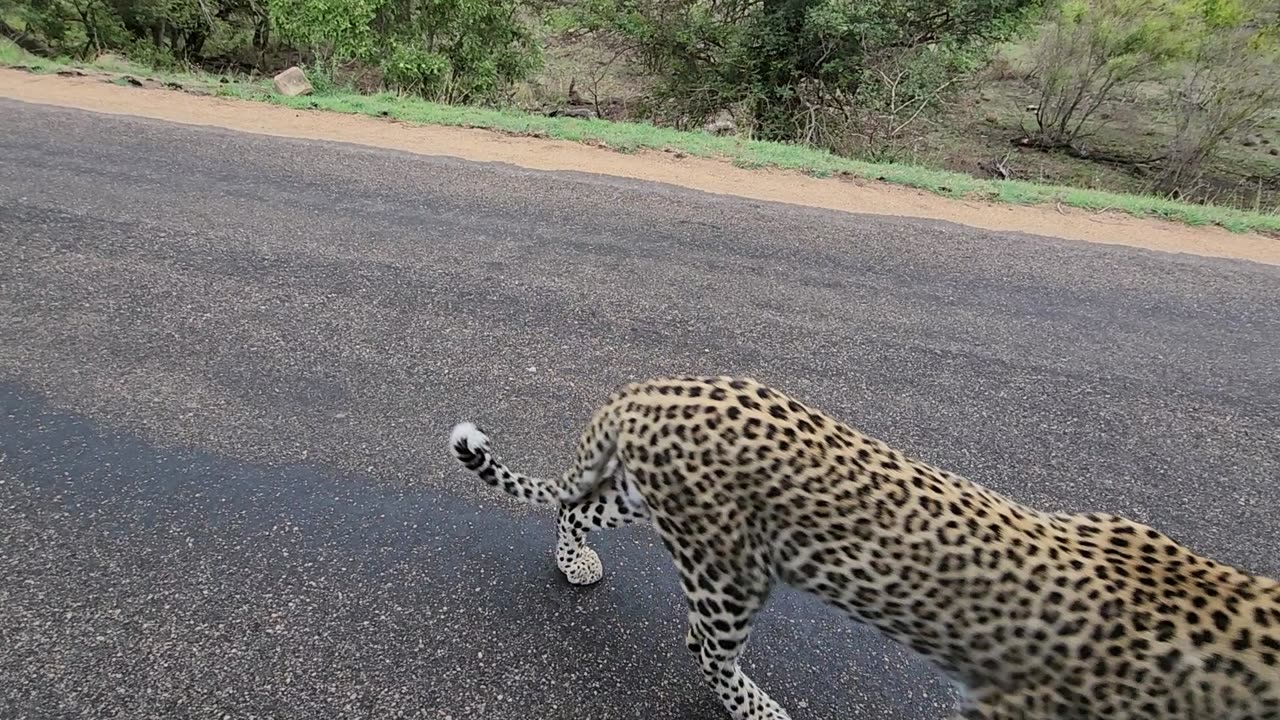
{"x": 329, "y": 29}
{"x": 24, "y": 39}
{"x": 169, "y": 28}
{"x": 1231, "y": 82}
{"x": 1092, "y": 48}
{"x": 451, "y": 50}
{"x": 796, "y": 66}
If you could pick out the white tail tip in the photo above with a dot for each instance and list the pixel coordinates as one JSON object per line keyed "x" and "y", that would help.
{"x": 469, "y": 435}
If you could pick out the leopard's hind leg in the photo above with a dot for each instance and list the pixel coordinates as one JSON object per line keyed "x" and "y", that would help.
{"x": 612, "y": 504}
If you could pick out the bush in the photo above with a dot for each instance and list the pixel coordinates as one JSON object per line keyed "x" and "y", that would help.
{"x": 331, "y": 30}
{"x": 900, "y": 90}
{"x": 80, "y": 30}
{"x": 1231, "y": 82}
{"x": 449, "y": 50}
{"x": 155, "y": 31}
{"x": 809, "y": 70}
{"x": 1090, "y": 49}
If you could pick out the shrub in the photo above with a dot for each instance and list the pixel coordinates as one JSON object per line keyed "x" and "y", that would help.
{"x": 1090, "y": 49}
{"x": 804, "y": 69}
{"x": 899, "y": 91}
{"x": 450, "y": 50}
{"x": 1231, "y": 82}
{"x": 155, "y": 31}
{"x": 331, "y": 30}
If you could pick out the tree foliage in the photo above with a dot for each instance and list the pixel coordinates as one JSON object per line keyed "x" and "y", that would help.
{"x": 853, "y": 76}
{"x": 151, "y": 30}
{"x": 454, "y": 50}
{"x": 1229, "y": 84}
{"x": 1091, "y": 49}
{"x": 790, "y": 63}
{"x": 1220, "y": 60}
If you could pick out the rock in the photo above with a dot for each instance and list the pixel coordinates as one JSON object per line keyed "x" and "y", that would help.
{"x": 292, "y": 82}
{"x": 722, "y": 124}
{"x": 584, "y": 113}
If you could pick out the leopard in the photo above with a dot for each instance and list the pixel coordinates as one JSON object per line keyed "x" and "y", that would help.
{"x": 1030, "y": 614}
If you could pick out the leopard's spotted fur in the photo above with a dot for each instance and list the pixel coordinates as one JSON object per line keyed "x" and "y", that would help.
{"x": 1033, "y": 615}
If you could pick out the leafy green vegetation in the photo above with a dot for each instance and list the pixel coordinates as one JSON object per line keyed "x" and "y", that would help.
{"x": 449, "y": 50}
{"x": 633, "y": 137}
{"x": 1220, "y": 61}
{"x": 831, "y": 73}
{"x": 457, "y": 51}
{"x": 1133, "y": 104}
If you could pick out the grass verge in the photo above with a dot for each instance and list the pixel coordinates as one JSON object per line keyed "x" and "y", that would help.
{"x": 633, "y": 137}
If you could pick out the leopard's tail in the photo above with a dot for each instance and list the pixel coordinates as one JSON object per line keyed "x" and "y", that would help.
{"x": 470, "y": 445}
{"x": 596, "y": 460}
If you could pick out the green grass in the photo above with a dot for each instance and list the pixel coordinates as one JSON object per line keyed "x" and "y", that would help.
{"x": 11, "y": 55}
{"x": 634, "y": 137}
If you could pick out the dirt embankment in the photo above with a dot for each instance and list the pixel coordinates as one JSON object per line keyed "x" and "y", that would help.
{"x": 93, "y": 94}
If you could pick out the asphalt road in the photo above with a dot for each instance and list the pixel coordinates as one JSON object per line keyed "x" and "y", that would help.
{"x": 228, "y": 364}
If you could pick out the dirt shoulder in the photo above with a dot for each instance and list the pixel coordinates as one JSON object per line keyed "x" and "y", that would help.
{"x": 89, "y": 93}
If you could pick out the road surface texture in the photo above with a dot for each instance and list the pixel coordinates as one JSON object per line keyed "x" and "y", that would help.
{"x": 229, "y": 363}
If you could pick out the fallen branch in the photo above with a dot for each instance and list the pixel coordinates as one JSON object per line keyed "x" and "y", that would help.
{"x": 1080, "y": 153}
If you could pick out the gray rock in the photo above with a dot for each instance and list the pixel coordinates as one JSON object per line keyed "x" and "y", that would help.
{"x": 292, "y": 82}
{"x": 721, "y": 124}
{"x": 585, "y": 113}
